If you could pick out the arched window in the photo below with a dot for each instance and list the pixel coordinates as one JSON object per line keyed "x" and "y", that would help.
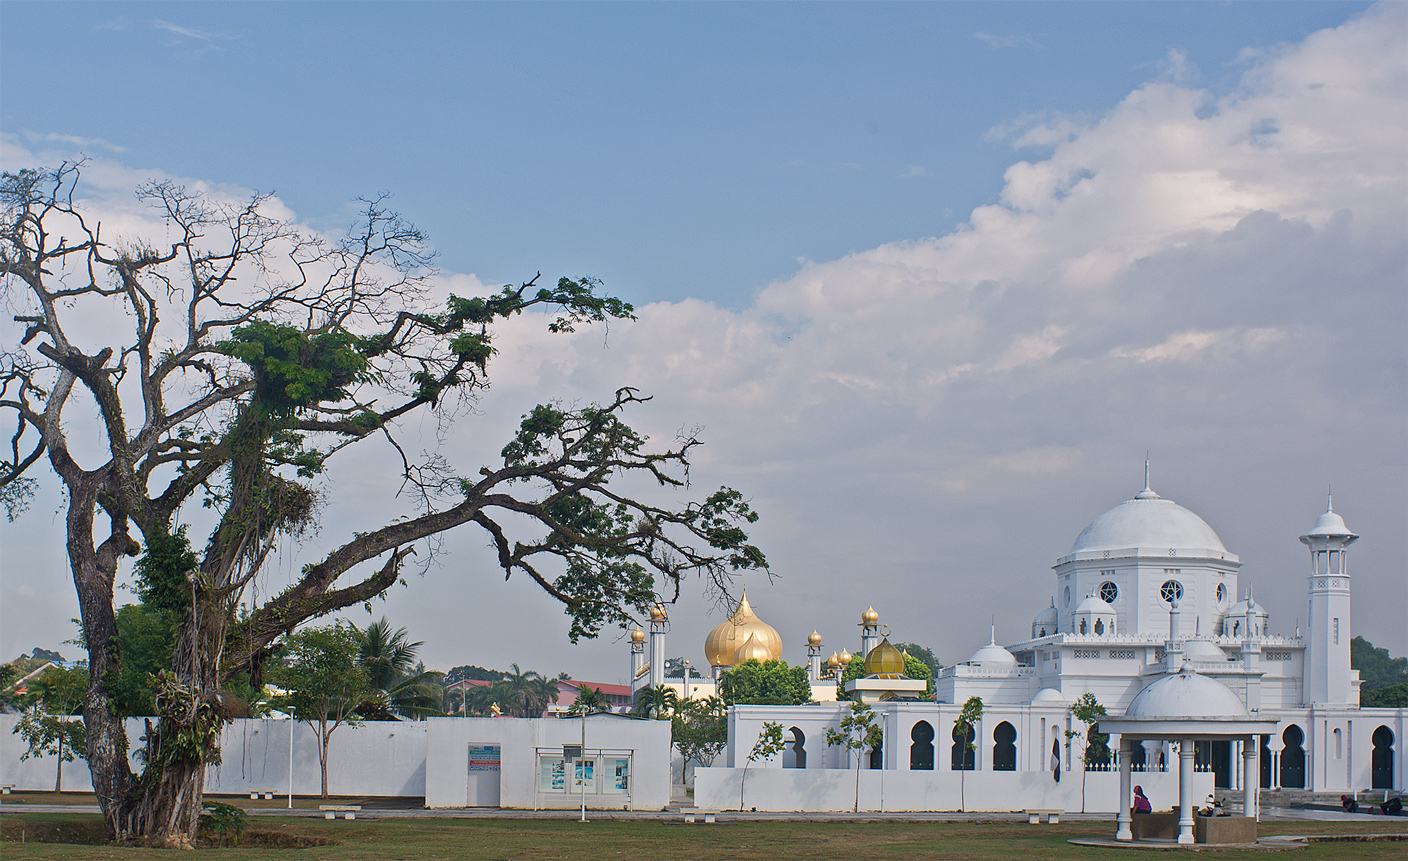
{"x": 1382, "y": 758}
{"x": 1099, "y": 626}
{"x": 794, "y": 755}
{"x": 877, "y": 756}
{"x": 1265, "y": 758}
{"x": 921, "y": 752}
{"x": 1004, "y": 747}
{"x": 1293, "y": 758}
{"x": 1082, "y": 626}
{"x": 961, "y": 755}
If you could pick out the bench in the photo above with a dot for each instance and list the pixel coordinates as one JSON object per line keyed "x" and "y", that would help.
{"x": 348, "y": 811}
{"x": 1034, "y": 815}
{"x": 691, "y": 813}
{"x": 257, "y": 793}
{"x": 7, "y": 788}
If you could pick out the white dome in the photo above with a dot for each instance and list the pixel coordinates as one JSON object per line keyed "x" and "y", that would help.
{"x": 1240, "y": 609}
{"x": 1330, "y": 524}
{"x": 1187, "y": 695}
{"x": 1148, "y": 521}
{"x": 1046, "y": 622}
{"x": 1203, "y": 650}
{"x": 993, "y": 655}
{"x": 1094, "y": 605}
{"x": 1049, "y": 696}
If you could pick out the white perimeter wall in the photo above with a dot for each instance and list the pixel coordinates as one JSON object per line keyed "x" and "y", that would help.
{"x": 822, "y": 789}
{"x": 449, "y": 739}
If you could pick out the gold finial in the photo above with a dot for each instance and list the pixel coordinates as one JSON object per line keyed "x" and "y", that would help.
{"x": 657, "y": 613}
{"x": 834, "y": 661}
{"x": 845, "y": 657}
{"x": 870, "y": 617}
{"x": 814, "y": 639}
{"x": 637, "y": 636}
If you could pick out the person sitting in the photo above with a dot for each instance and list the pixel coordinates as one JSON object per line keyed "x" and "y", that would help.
{"x": 1141, "y": 801}
{"x": 1349, "y": 804}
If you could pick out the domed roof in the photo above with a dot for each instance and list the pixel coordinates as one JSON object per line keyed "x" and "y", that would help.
{"x": 1092, "y": 604}
{"x": 1049, "y": 696}
{"x": 993, "y": 655}
{"x": 1240, "y": 608}
{"x": 735, "y": 631}
{"x": 1187, "y": 695}
{"x": 884, "y": 660}
{"x": 1148, "y": 520}
{"x": 870, "y": 617}
{"x": 637, "y": 636}
{"x": 1330, "y": 524}
{"x": 846, "y": 657}
{"x": 1203, "y": 650}
{"x": 1047, "y": 616}
{"x": 752, "y": 650}
{"x": 814, "y": 639}
{"x": 657, "y": 613}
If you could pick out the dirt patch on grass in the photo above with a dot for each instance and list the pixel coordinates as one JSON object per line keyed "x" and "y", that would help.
{"x": 78, "y": 831}
{"x": 255, "y": 839}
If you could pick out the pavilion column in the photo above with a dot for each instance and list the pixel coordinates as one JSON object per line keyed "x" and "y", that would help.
{"x": 1250, "y": 777}
{"x": 1185, "y": 791}
{"x": 1122, "y": 819}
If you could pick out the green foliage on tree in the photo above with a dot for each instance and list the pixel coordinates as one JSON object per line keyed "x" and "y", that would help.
{"x": 1088, "y": 711}
{"x": 323, "y": 684}
{"x": 967, "y": 725}
{"x": 222, "y": 824}
{"x": 401, "y": 686}
{"x": 656, "y": 701}
{"x": 857, "y": 732}
{"x": 1376, "y": 668}
{"x": 469, "y": 671}
{"x": 766, "y": 683}
{"x": 699, "y": 730}
{"x": 47, "y": 725}
{"x": 923, "y": 655}
{"x": 768, "y": 745}
{"x": 590, "y": 701}
{"x": 1391, "y": 697}
{"x": 914, "y": 668}
{"x": 146, "y": 637}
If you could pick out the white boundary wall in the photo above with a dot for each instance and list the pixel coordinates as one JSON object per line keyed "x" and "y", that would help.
{"x": 831, "y": 789}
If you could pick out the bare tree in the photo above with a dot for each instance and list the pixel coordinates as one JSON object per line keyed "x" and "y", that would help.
{"x": 233, "y": 362}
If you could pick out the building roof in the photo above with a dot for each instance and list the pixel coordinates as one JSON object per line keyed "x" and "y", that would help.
{"x": 1187, "y": 695}
{"x": 1150, "y": 521}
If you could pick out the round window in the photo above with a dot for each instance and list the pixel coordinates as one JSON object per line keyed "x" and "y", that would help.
{"x": 1109, "y": 592}
{"x": 1171, "y": 591}
{"x": 1066, "y": 597}
{"x": 1221, "y": 593}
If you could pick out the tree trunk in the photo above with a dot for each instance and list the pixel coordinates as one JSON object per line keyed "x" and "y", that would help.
{"x": 59, "y": 780}
{"x": 324, "y": 736}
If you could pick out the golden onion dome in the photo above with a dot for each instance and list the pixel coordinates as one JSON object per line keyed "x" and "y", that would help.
{"x": 870, "y": 617}
{"x": 728, "y": 636}
{"x": 753, "y": 650}
{"x": 845, "y": 658}
{"x": 884, "y": 660}
{"x": 637, "y": 636}
{"x": 834, "y": 661}
{"x": 657, "y": 613}
{"x": 814, "y": 639}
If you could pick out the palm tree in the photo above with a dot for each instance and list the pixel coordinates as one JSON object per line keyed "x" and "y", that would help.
{"x": 400, "y": 685}
{"x": 656, "y": 702}
{"x": 525, "y": 693}
{"x": 590, "y": 701}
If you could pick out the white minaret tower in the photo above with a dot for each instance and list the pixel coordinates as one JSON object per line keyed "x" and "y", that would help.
{"x": 659, "y": 624}
{"x": 637, "y": 657}
{"x": 1327, "y": 670}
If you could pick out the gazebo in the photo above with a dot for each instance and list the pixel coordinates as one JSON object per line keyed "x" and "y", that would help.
{"x": 1186, "y": 707}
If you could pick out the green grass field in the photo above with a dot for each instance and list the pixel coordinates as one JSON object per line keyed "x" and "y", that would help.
{"x": 424, "y": 839}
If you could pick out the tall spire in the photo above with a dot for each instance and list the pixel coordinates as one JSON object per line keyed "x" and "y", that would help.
{"x": 1329, "y": 498}
{"x": 1147, "y": 492}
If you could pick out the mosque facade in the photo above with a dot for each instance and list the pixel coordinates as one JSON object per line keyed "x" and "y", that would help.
{"x": 1147, "y": 591}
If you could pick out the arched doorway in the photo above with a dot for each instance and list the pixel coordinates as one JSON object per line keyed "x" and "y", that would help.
{"x": 1293, "y": 758}
{"x": 1222, "y": 764}
{"x": 794, "y": 755}
{"x": 1383, "y": 758}
{"x": 1265, "y": 759}
{"x": 961, "y": 755}
{"x": 1004, "y": 747}
{"x": 877, "y": 756}
{"x": 921, "y": 752}
{"x": 1137, "y": 758}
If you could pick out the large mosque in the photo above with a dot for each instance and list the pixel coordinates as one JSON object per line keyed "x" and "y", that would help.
{"x": 1146, "y": 598}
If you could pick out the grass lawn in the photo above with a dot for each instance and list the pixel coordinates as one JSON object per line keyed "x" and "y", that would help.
{"x": 418, "y": 839}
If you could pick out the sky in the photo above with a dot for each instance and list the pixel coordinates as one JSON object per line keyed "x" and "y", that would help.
{"x": 931, "y": 279}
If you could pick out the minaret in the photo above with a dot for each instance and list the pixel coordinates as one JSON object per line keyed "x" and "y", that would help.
{"x": 1173, "y": 647}
{"x": 659, "y": 623}
{"x": 814, "y": 656}
{"x": 1251, "y": 654}
{"x": 1327, "y": 669}
{"x": 637, "y": 655}
{"x": 869, "y": 631}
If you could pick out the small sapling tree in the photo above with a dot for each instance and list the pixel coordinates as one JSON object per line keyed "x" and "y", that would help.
{"x": 768, "y": 745}
{"x": 856, "y": 733}
{"x": 324, "y": 684}
{"x": 965, "y": 728}
{"x": 1088, "y": 711}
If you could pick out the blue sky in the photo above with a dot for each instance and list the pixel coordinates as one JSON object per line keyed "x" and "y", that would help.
{"x": 671, "y": 149}
{"x": 932, "y": 278}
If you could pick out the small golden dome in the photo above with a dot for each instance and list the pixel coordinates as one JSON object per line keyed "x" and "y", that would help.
{"x": 814, "y": 639}
{"x": 870, "y": 617}
{"x": 637, "y": 636}
{"x": 834, "y": 661}
{"x": 845, "y": 657}
{"x": 657, "y": 613}
{"x": 730, "y": 635}
{"x": 753, "y": 650}
{"x": 885, "y": 660}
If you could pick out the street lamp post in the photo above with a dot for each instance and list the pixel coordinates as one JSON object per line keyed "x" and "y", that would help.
{"x": 686, "y": 678}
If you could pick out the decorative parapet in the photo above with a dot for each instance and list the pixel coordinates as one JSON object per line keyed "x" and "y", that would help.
{"x": 970, "y": 672}
{"x": 1190, "y": 553}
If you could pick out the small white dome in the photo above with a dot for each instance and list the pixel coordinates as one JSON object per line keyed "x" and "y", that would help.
{"x": 993, "y": 655}
{"x": 1203, "y": 650}
{"x": 1148, "y": 521}
{"x": 1330, "y": 524}
{"x": 1094, "y": 605}
{"x": 1049, "y": 696}
{"x": 1047, "y": 616}
{"x": 1187, "y": 695}
{"x": 1240, "y": 609}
